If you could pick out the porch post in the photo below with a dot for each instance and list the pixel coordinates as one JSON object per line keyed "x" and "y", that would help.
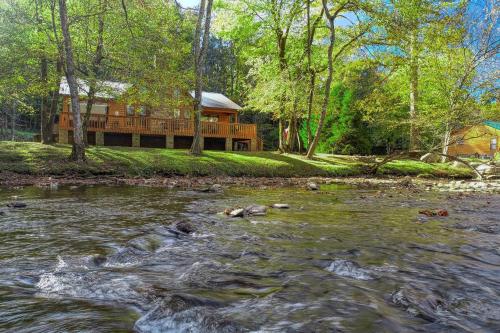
{"x": 229, "y": 144}
{"x": 99, "y": 138}
{"x": 170, "y": 142}
{"x": 136, "y": 140}
{"x": 63, "y": 136}
{"x": 253, "y": 145}
{"x": 202, "y": 142}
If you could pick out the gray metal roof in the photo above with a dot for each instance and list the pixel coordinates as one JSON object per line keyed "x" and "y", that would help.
{"x": 110, "y": 90}
{"x": 216, "y": 100}
{"x": 105, "y": 89}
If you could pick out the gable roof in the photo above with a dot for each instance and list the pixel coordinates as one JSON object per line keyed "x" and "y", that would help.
{"x": 216, "y": 100}
{"x": 494, "y": 124}
{"x": 105, "y": 89}
{"x": 110, "y": 90}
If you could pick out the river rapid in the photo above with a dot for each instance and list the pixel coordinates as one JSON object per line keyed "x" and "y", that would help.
{"x": 343, "y": 259}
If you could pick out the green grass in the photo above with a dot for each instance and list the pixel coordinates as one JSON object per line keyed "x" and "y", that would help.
{"x": 37, "y": 159}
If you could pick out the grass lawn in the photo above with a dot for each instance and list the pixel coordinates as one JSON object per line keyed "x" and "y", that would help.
{"x": 37, "y": 159}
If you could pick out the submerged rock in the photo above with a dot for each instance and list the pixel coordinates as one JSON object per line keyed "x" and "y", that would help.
{"x": 281, "y": 206}
{"x": 183, "y": 313}
{"x": 2, "y": 213}
{"x": 350, "y": 269}
{"x": 215, "y": 188}
{"x": 419, "y": 303}
{"x": 17, "y": 204}
{"x": 185, "y": 227}
{"x": 99, "y": 260}
{"x": 312, "y": 186}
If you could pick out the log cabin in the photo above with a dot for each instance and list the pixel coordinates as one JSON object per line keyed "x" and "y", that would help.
{"x": 113, "y": 122}
{"x": 478, "y": 141}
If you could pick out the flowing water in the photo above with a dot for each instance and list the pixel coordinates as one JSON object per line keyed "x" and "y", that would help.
{"x": 108, "y": 259}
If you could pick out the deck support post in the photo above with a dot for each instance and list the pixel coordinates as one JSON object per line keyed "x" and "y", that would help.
{"x": 136, "y": 140}
{"x": 169, "y": 142}
{"x": 229, "y": 144}
{"x": 99, "y": 138}
{"x": 63, "y": 136}
{"x": 253, "y": 145}
{"x": 202, "y": 142}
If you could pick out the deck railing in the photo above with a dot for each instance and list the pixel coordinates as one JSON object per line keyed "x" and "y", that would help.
{"x": 160, "y": 126}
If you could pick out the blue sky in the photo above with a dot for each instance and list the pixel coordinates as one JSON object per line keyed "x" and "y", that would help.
{"x": 189, "y": 3}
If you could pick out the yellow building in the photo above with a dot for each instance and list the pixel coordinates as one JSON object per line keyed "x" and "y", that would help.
{"x": 480, "y": 140}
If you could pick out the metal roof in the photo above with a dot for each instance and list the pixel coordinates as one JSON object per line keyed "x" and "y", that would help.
{"x": 110, "y": 90}
{"x": 105, "y": 89}
{"x": 216, "y": 100}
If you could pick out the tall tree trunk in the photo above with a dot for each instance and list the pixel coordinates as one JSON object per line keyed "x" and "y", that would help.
{"x": 310, "y": 99}
{"x": 44, "y": 103}
{"x": 78, "y": 151}
{"x": 281, "y": 145}
{"x": 13, "y": 120}
{"x": 446, "y": 143}
{"x": 414, "y": 133}
{"x": 200, "y": 52}
{"x": 96, "y": 70}
{"x": 326, "y": 99}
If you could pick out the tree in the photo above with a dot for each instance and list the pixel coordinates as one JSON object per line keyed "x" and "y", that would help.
{"x": 331, "y": 14}
{"x": 78, "y": 150}
{"x": 201, "y": 38}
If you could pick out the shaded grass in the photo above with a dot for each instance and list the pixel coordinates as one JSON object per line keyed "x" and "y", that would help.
{"x": 37, "y": 159}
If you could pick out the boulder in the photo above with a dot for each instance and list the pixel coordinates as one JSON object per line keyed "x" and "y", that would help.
{"x": 185, "y": 227}
{"x": 281, "y": 206}
{"x": 256, "y": 210}
{"x": 215, "y": 188}
{"x": 17, "y": 204}
{"x": 458, "y": 164}
{"x": 312, "y": 186}
{"x": 239, "y": 212}
{"x": 430, "y": 158}
{"x": 485, "y": 169}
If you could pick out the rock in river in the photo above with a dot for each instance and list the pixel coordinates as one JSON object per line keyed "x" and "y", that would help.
{"x": 185, "y": 313}
{"x": 281, "y": 206}
{"x": 185, "y": 227}
{"x": 215, "y": 188}
{"x": 17, "y": 204}
{"x": 239, "y": 212}
{"x": 350, "y": 269}
{"x": 312, "y": 186}
{"x": 256, "y": 210}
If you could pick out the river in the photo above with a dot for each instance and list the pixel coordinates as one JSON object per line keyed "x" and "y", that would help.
{"x": 345, "y": 259}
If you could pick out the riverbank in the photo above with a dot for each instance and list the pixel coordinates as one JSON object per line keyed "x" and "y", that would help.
{"x": 26, "y": 160}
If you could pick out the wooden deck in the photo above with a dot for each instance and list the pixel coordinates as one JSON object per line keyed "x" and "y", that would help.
{"x": 161, "y": 126}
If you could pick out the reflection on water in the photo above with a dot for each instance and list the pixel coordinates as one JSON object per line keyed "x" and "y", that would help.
{"x": 108, "y": 259}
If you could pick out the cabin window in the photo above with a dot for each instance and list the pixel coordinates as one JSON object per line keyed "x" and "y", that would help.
{"x": 493, "y": 144}
{"x": 210, "y": 119}
{"x": 177, "y": 113}
{"x": 97, "y": 108}
{"x": 132, "y": 111}
{"x": 232, "y": 118}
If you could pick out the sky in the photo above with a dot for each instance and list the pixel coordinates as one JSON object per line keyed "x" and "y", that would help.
{"x": 189, "y": 3}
